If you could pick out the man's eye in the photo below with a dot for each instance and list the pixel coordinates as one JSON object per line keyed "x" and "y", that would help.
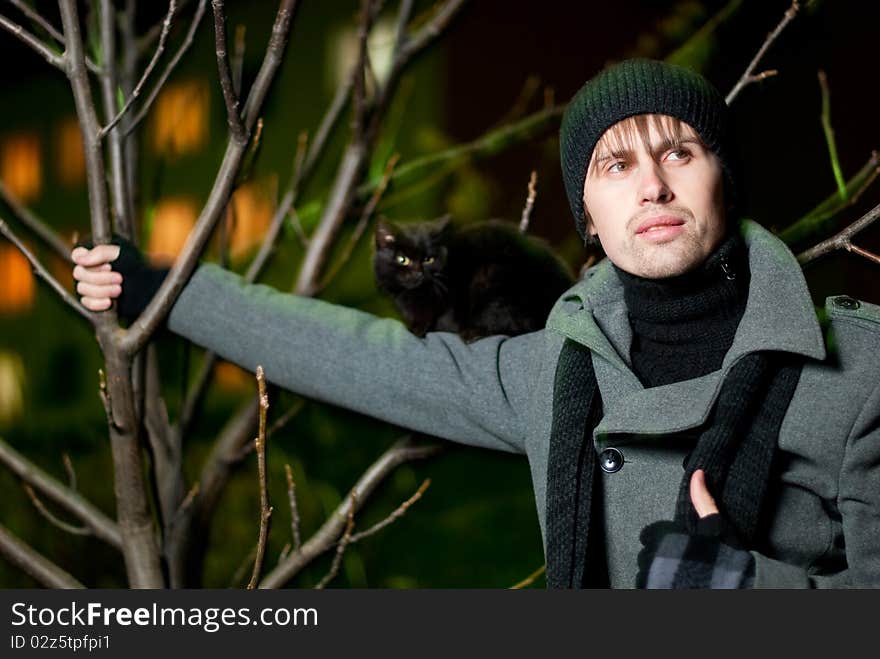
{"x": 678, "y": 154}
{"x": 617, "y": 166}
{"x": 403, "y": 260}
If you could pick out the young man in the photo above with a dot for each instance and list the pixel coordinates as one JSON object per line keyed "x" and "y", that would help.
{"x": 685, "y": 378}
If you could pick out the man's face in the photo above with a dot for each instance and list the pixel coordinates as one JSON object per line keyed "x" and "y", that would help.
{"x": 654, "y": 197}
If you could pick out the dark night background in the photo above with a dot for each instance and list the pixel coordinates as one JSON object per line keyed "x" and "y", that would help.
{"x": 476, "y": 525}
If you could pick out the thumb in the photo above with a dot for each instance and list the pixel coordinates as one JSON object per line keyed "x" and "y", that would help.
{"x": 703, "y": 502}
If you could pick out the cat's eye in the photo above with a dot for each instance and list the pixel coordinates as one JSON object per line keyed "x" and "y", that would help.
{"x": 403, "y": 259}
{"x": 428, "y": 260}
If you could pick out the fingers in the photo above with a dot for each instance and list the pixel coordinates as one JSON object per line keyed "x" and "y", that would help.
{"x": 97, "y": 290}
{"x": 703, "y": 502}
{"x": 96, "y": 256}
{"x": 96, "y": 304}
{"x": 102, "y": 275}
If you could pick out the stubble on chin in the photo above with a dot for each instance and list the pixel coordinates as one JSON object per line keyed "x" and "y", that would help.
{"x": 670, "y": 259}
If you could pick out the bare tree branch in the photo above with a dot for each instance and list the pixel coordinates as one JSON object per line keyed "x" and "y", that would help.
{"x": 162, "y": 302}
{"x": 187, "y": 42}
{"x": 73, "y": 502}
{"x": 109, "y": 81}
{"x": 749, "y": 76}
{"x": 341, "y": 546}
{"x": 35, "y": 44}
{"x": 143, "y": 43}
{"x": 294, "y": 509}
{"x": 530, "y": 202}
{"x": 27, "y": 217}
{"x": 529, "y": 580}
{"x": 163, "y": 36}
{"x": 326, "y": 536}
{"x": 821, "y": 217}
{"x": 43, "y": 274}
{"x": 39, "y": 19}
{"x": 140, "y": 545}
{"x": 233, "y": 118}
{"x": 828, "y": 131}
{"x": 47, "y": 514}
{"x": 361, "y": 225}
{"x": 265, "y": 508}
{"x": 399, "y": 512}
{"x": 842, "y": 240}
{"x": 33, "y": 563}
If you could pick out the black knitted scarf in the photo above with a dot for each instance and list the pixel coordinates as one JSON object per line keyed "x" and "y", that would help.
{"x": 682, "y": 328}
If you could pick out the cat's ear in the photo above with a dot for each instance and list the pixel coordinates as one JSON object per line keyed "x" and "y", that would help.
{"x": 443, "y": 225}
{"x": 386, "y": 233}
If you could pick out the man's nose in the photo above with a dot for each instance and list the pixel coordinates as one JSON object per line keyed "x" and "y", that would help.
{"x": 653, "y": 186}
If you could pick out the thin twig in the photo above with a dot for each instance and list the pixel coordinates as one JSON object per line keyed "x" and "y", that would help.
{"x": 47, "y": 514}
{"x": 197, "y": 18}
{"x": 843, "y": 239}
{"x": 341, "y": 547}
{"x": 399, "y": 512}
{"x": 265, "y": 508}
{"x": 43, "y": 274}
{"x": 144, "y": 42}
{"x": 749, "y": 77}
{"x": 26, "y": 558}
{"x": 242, "y": 569}
{"x": 71, "y": 472}
{"x": 290, "y": 194}
{"x": 828, "y": 130}
{"x": 29, "y": 39}
{"x": 814, "y": 222}
{"x": 230, "y": 98}
{"x": 328, "y": 534}
{"x": 166, "y": 28}
{"x": 529, "y": 580}
{"x": 285, "y": 418}
{"x": 66, "y": 497}
{"x": 361, "y": 225}
{"x": 530, "y": 202}
{"x": 863, "y": 252}
{"x": 294, "y": 509}
{"x": 35, "y": 224}
{"x": 39, "y": 19}
{"x": 298, "y": 228}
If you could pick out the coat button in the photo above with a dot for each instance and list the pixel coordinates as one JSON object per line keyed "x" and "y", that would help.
{"x": 846, "y": 302}
{"x": 611, "y": 460}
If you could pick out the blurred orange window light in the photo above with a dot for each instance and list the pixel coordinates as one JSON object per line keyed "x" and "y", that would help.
{"x": 180, "y": 119}
{"x": 253, "y": 214}
{"x": 175, "y": 218}
{"x": 69, "y": 153}
{"x": 21, "y": 167}
{"x": 16, "y": 281}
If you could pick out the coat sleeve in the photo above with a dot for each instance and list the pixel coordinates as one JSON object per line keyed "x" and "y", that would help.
{"x": 473, "y": 393}
{"x": 859, "y": 504}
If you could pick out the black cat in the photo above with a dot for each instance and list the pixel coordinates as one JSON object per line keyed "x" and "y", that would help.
{"x": 477, "y": 280}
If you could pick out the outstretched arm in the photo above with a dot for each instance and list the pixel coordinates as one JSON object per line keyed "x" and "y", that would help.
{"x": 474, "y": 393}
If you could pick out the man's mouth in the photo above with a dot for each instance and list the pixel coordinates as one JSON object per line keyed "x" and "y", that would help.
{"x": 658, "y": 223}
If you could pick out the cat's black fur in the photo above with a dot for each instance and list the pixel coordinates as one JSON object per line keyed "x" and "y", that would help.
{"x": 476, "y": 280}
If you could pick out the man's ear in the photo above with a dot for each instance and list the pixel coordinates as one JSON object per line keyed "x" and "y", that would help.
{"x": 386, "y": 233}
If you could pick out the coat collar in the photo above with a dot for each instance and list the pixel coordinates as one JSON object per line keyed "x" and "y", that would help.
{"x": 779, "y": 316}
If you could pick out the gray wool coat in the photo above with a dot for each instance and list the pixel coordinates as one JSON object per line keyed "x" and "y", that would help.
{"x": 497, "y": 393}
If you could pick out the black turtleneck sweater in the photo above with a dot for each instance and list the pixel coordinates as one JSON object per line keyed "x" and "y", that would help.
{"x": 683, "y": 326}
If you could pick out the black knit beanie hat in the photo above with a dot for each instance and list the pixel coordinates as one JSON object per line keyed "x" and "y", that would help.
{"x": 632, "y": 87}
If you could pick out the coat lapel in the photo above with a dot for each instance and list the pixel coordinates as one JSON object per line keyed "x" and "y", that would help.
{"x": 779, "y": 316}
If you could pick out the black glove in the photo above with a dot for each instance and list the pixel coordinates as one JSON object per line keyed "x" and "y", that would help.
{"x": 713, "y": 557}
{"x": 140, "y": 280}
